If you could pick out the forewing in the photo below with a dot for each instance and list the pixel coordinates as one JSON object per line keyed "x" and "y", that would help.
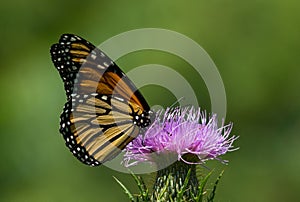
{"x": 85, "y": 69}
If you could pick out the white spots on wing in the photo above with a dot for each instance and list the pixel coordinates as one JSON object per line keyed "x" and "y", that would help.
{"x": 94, "y": 94}
{"x": 93, "y": 57}
{"x": 105, "y": 64}
{"x": 72, "y": 39}
{"x": 78, "y": 98}
{"x": 100, "y": 66}
{"x": 120, "y": 99}
{"x": 102, "y": 54}
{"x": 104, "y": 97}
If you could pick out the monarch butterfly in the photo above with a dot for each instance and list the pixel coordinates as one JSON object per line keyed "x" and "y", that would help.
{"x": 104, "y": 110}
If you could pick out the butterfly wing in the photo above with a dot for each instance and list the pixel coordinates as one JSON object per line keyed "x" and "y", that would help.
{"x": 104, "y": 110}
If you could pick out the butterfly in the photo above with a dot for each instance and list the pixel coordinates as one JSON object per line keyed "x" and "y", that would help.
{"x": 104, "y": 110}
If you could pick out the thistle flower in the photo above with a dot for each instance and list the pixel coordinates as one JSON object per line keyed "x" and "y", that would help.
{"x": 186, "y": 133}
{"x": 176, "y": 142}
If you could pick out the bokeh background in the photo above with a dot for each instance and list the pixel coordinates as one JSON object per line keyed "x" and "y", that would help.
{"x": 255, "y": 45}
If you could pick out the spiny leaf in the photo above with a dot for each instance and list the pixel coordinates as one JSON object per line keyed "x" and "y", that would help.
{"x": 203, "y": 182}
{"x": 183, "y": 188}
{"x": 213, "y": 193}
{"x": 165, "y": 187}
{"x": 142, "y": 187}
{"x": 131, "y": 198}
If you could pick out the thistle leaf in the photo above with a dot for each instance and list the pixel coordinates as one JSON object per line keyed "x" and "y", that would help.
{"x": 130, "y": 196}
{"x": 183, "y": 188}
{"x": 144, "y": 192}
{"x": 213, "y": 193}
{"x": 201, "y": 187}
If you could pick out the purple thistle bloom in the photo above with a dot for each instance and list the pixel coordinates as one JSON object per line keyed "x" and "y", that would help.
{"x": 184, "y": 132}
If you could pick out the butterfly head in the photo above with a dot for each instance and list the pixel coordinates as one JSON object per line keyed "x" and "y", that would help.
{"x": 143, "y": 119}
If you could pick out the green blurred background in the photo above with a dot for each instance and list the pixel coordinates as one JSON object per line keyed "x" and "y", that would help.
{"x": 255, "y": 45}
